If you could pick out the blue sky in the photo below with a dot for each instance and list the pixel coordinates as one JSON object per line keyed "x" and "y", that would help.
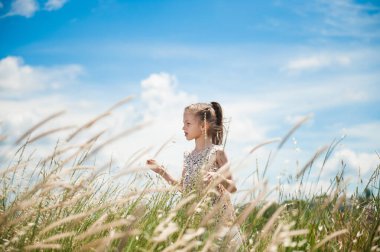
{"x": 267, "y": 62}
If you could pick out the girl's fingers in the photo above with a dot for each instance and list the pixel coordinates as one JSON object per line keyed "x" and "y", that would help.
{"x": 151, "y": 161}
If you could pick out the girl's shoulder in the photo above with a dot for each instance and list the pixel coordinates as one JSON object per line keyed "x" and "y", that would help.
{"x": 217, "y": 148}
{"x": 186, "y": 153}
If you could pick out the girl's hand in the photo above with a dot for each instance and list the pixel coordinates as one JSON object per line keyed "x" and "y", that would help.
{"x": 210, "y": 176}
{"x": 154, "y": 166}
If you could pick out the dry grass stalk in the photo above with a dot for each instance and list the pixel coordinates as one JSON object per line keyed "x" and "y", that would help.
{"x": 28, "y": 132}
{"x": 254, "y": 149}
{"x": 62, "y": 221}
{"x": 339, "y": 202}
{"x": 39, "y": 246}
{"x": 68, "y": 202}
{"x": 190, "y": 246}
{"x": 208, "y": 218}
{"x": 14, "y": 168}
{"x": 209, "y": 246}
{"x": 87, "y": 145}
{"x": 283, "y": 236}
{"x": 120, "y": 103}
{"x": 101, "y": 243}
{"x": 99, "y": 221}
{"x": 164, "y": 229}
{"x": 184, "y": 240}
{"x": 292, "y": 130}
{"x": 316, "y": 155}
{"x": 263, "y": 144}
{"x": 77, "y": 167}
{"x": 56, "y": 153}
{"x": 202, "y": 200}
{"x": 130, "y": 162}
{"x": 162, "y": 147}
{"x": 55, "y": 185}
{"x": 298, "y": 232}
{"x": 263, "y": 209}
{"x": 183, "y": 202}
{"x": 46, "y": 133}
{"x": 103, "y": 227}
{"x": 87, "y": 125}
{"x": 119, "y": 136}
{"x": 58, "y": 237}
{"x": 271, "y": 221}
{"x": 21, "y": 206}
{"x": 330, "y": 237}
{"x": 248, "y": 209}
{"x": 97, "y": 118}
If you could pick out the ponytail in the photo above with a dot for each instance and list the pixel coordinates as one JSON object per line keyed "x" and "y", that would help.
{"x": 217, "y": 132}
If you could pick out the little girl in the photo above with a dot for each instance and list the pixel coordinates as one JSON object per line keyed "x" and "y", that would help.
{"x": 206, "y": 164}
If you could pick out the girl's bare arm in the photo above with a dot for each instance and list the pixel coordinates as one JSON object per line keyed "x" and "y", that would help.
{"x": 160, "y": 169}
{"x": 226, "y": 177}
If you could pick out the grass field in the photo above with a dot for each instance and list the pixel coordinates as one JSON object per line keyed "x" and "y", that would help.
{"x": 63, "y": 202}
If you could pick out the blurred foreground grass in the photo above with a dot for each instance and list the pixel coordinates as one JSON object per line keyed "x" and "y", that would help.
{"x": 63, "y": 202}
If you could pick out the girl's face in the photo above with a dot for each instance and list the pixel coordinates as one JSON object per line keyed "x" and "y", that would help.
{"x": 191, "y": 126}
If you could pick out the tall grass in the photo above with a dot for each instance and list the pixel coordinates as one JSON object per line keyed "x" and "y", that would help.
{"x": 66, "y": 201}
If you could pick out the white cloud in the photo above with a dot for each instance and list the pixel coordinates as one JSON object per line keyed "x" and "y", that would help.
{"x": 162, "y": 101}
{"x": 159, "y": 94}
{"x": 363, "y": 136}
{"x": 54, "y": 4}
{"x": 16, "y": 77}
{"x": 316, "y": 62}
{"x": 25, "y": 8}
{"x": 1, "y": 5}
{"x": 356, "y": 162}
{"x": 298, "y": 99}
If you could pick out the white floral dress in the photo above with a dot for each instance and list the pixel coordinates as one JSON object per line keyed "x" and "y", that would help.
{"x": 196, "y": 165}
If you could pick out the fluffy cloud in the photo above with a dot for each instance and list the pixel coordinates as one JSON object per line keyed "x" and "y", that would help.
{"x": 54, "y": 4}
{"x": 25, "y": 8}
{"x": 162, "y": 100}
{"x": 362, "y": 163}
{"x": 15, "y": 76}
{"x": 160, "y": 103}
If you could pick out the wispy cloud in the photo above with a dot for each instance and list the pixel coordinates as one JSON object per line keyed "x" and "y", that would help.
{"x": 25, "y": 8}
{"x": 316, "y": 62}
{"x": 346, "y": 18}
{"x": 54, "y": 4}
{"x": 16, "y": 77}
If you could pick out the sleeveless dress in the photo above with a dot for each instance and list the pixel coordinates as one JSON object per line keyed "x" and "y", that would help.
{"x": 196, "y": 165}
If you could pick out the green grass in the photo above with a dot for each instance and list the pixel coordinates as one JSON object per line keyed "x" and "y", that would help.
{"x": 67, "y": 202}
